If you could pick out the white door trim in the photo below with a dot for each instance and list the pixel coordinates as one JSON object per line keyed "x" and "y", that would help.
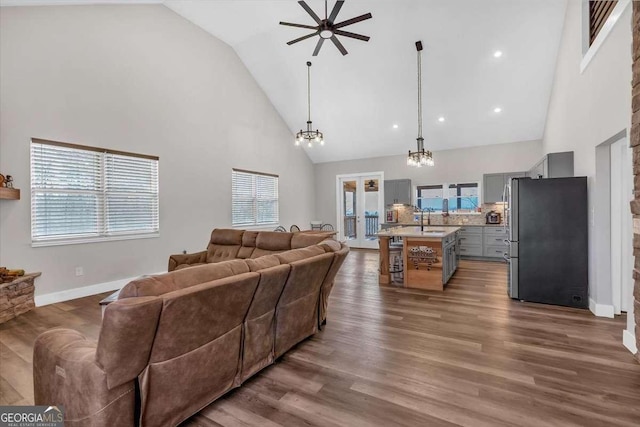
{"x": 381, "y": 207}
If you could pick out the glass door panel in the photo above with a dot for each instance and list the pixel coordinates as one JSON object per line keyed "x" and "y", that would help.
{"x": 359, "y": 210}
{"x": 349, "y": 209}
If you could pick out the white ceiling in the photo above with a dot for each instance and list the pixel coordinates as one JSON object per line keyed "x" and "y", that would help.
{"x": 358, "y": 97}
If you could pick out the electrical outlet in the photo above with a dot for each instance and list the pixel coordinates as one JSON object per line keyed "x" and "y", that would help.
{"x": 79, "y": 271}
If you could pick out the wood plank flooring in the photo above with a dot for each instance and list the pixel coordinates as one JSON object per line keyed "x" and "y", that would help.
{"x": 389, "y": 356}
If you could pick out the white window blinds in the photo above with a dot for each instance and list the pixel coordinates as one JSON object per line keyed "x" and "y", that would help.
{"x": 84, "y": 193}
{"x": 254, "y": 198}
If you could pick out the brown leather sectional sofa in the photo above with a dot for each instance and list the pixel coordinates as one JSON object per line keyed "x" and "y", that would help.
{"x": 173, "y": 343}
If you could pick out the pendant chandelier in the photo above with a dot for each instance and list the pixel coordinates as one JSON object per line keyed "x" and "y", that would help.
{"x": 309, "y": 135}
{"x": 421, "y": 157}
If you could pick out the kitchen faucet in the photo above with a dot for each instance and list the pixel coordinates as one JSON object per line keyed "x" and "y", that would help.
{"x": 422, "y": 211}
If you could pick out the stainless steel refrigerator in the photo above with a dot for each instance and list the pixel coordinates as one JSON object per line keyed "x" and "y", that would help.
{"x": 548, "y": 241}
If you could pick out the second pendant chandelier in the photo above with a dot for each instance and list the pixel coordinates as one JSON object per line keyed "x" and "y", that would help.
{"x": 420, "y": 157}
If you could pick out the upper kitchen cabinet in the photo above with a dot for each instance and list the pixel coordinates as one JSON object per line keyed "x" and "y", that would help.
{"x": 553, "y": 165}
{"x": 397, "y": 192}
{"x": 493, "y": 185}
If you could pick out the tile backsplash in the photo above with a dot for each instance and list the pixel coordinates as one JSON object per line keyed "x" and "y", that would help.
{"x": 406, "y": 216}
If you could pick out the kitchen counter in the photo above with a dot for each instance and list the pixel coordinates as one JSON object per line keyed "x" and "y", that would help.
{"x": 429, "y": 257}
{"x": 429, "y": 234}
{"x": 414, "y": 224}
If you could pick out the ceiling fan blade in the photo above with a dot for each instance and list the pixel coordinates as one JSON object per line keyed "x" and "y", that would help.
{"x": 353, "y": 20}
{"x": 341, "y": 48}
{"x": 352, "y": 35}
{"x": 310, "y": 12}
{"x": 336, "y": 10}
{"x": 289, "y": 24}
{"x": 318, "y": 46}
{"x": 299, "y": 39}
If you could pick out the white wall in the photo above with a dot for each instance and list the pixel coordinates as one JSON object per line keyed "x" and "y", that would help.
{"x": 139, "y": 79}
{"x": 589, "y": 108}
{"x": 452, "y": 166}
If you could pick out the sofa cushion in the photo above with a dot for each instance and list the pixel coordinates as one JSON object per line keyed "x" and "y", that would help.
{"x": 181, "y": 266}
{"x": 127, "y": 325}
{"x": 249, "y": 238}
{"x": 274, "y": 241}
{"x": 257, "y": 253}
{"x": 263, "y": 262}
{"x": 194, "y": 316}
{"x": 226, "y": 236}
{"x": 183, "y": 278}
{"x": 331, "y": 245}
{"x": 219, "y": 253}
{"x": 298, "y": 254}
{"x": 259, "y": 331}
{"x": 302, "y": 240}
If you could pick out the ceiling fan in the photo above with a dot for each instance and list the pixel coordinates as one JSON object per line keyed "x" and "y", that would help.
{"x": 327, "y": 28}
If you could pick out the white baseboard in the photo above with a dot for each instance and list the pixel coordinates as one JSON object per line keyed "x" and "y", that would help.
{"x": 83, "y": 291}
{"x": 601, "y": 310}
{"x": 629, "y": 341}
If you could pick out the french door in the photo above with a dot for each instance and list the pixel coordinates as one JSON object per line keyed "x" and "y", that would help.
{"x": 360, "y": 206}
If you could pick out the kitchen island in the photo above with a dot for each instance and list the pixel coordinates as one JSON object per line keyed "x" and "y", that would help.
{"x": 429, "y": 256}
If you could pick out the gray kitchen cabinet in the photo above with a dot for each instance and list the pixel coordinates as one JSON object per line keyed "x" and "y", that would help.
{"x": 493, "y": 185}
{"x": 449, "y": 258}
{"x": 397, "y": 191}
{"x": 553, "y": 165}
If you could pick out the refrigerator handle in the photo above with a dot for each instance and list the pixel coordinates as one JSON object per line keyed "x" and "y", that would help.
{"x": 505, "y": 194}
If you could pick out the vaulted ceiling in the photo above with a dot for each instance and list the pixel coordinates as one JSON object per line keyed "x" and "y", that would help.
{"x": 358, "y": 98}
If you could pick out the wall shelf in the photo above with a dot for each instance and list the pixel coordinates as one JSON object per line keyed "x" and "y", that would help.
{"x": 9, "y": 193}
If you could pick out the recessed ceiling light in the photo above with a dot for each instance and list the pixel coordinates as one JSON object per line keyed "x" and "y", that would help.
{"x": 441, "y": 119}
{"x": 497, "y": 54}
{"x": 497, "y": 110}
{"x": 395, "y": 126}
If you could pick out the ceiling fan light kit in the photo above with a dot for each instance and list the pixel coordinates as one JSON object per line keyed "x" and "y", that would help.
{"x": 327, "y": 28}
{"x": 420, "y": 157}
{"x": 310, "y": 136}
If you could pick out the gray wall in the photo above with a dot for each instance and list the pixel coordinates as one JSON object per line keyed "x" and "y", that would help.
{"x": 587, "y": 109}
{"x": 139, "y": 79}
{"x": 452, "y": 166}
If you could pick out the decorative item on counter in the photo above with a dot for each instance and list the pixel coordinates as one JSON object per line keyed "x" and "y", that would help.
{"x": 6, "y": 181}
{"x": 445, "y": 208}
{"x": 392, "y": 216}
{"x": 7, "y": 275}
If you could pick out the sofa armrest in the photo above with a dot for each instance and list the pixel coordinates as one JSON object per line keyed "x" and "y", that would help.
{"x": 65, "y": 372}
{"x": 179, "y": 259}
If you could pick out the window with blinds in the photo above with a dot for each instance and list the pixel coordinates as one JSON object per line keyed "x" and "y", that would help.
{"x": 83, "y": 193}
{"x": 254, "y": 198}
{"x": 599, "y": 12}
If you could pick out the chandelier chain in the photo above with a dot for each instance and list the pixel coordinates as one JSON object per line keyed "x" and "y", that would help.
{"x": 309, "y": 91}
{"x": 419, "y": 94}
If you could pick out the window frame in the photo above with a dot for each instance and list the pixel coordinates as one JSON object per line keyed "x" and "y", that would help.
{"x": 589, "y": 50}
{"x": 445, "y": 187}
{"x": 102, "y": 235}
{"x": 255, "y": 224}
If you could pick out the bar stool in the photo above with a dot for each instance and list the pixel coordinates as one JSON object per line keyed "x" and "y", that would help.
{"x": 396, "y": 265}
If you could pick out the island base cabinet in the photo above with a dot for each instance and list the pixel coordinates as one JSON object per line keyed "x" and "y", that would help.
{"x": 428, "y": 275}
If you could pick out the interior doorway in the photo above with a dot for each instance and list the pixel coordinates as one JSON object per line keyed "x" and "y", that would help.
{"x": 360, "y": 205}
{"x": 621, "y": 187}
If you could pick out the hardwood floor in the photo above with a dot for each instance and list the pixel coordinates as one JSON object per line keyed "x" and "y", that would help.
{"x": 393, "y": 357}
